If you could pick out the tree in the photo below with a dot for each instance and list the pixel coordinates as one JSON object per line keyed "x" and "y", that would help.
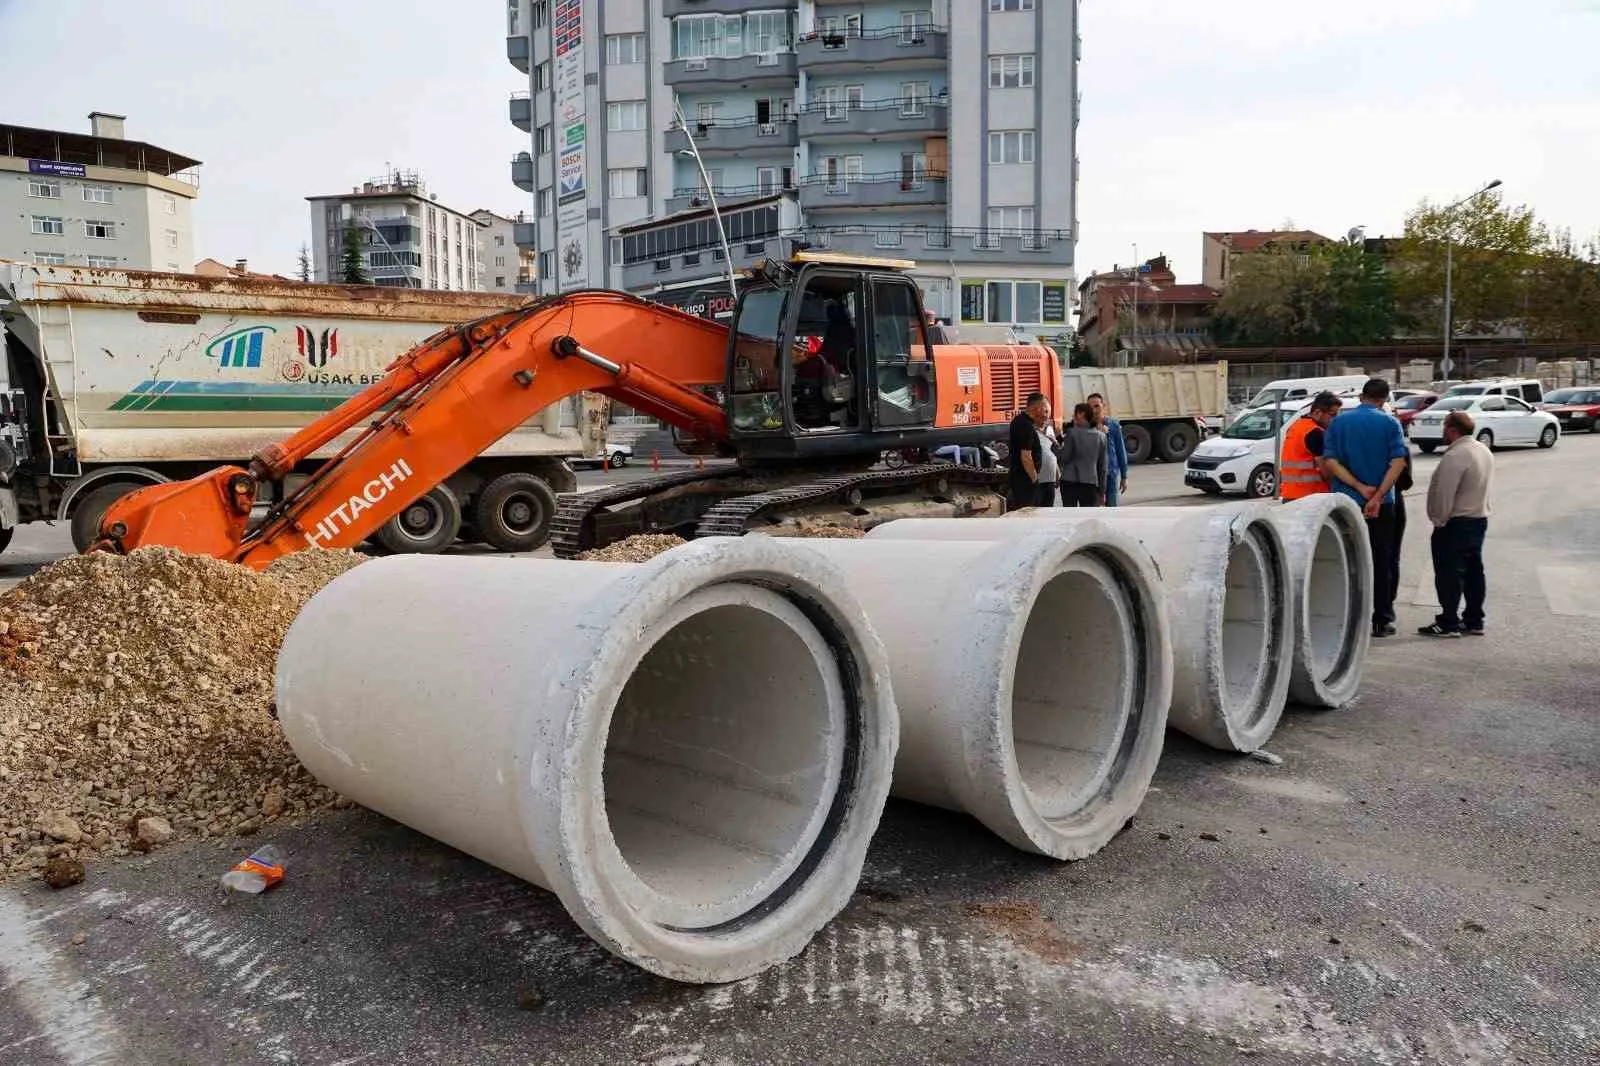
{"x": 1494, "y": 249}
{"x": 304, "y": 269}
{"x": 351, "y": 269}
{"x": 1563, "y": 297}
{"x": 1334, "y": 294}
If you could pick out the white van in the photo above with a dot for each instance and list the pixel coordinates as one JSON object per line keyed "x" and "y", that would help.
{"x": 1525, "y": 389}
{"x": 1301, "y": 390}
{"x": 1240, "y": 461}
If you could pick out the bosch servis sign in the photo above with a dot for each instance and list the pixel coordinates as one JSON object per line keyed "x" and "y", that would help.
{"x": 307, "y": 354}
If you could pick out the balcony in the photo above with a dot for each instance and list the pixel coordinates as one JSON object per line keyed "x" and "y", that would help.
{"x": 819, "y": 191}
{"x": 522, "y": 171}
{"x": 525, "y": 234}
{"x": 688, "y": 198}
{"x": 522, "y": 112}
{"x": 897, "y": 48}
{"x": 673, "y": 8}
{"x": 1000, "y": 246}
{"x": 729, "y": 137}
{"x": 838, "y": 120}
{"x": 517, "y": 52}
{"x": 706, "y": 263}
{"x": 767, "y": 70}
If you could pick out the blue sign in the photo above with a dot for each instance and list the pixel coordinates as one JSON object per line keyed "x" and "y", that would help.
{"x": 50, "y": 166}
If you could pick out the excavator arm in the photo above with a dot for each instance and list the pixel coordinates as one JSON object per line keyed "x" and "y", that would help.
{"x": 436, "y": 408}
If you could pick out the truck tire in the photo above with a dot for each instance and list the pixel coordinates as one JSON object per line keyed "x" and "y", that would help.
{"x": 92, "y": 508}
{"x": 429, "y": 524}
{"x": 1138, "y": 441}
{"x": 1178, "y": 440}
{"x": 513, "y": 512}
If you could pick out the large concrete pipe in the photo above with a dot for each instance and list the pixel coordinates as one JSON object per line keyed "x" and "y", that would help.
{"x": 1033, "y": 677}
{"x": 1226, "y": 578}
{"x": 1330, "y": 581}
{"x": 692, "y": 753}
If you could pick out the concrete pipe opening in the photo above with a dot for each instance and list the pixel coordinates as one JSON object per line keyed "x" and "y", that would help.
{"x": 1249, "y": 614}
{"x": 1330, "y": 575}
{"x": 1328, "y": 602}
{"x": 692, "y": 753}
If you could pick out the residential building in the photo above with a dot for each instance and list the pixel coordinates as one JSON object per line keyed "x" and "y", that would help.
{"x": 95, "y": 199}
{"x": 1130, "y": 316}
{"x": 215, "y": 268}
{"x": 408, "y": 239}
{"x": 941, "y": 131}
{"x": 1219, "y": 252}
{"x": 502, "y": 265}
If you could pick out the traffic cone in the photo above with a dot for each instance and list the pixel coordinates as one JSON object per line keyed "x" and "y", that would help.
{"x": 655, "y": 460}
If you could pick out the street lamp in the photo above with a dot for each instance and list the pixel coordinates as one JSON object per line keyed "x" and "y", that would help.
{"x": 1445, "y": 365}
{"x": 693, "y": 152}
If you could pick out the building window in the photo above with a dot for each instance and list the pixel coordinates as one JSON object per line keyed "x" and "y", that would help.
{"x": 500, "y": 240}
{"x": 766, "y": 180}
{"x": 97, "y": 194}
{"x": 1010, "y": 5}
{"x": 546, "y": 202}
{"x": 499, "y": 260}
{"x": 1011, "y": 219}
{"x": 169, "y": 203}
{"x": 766, "y": 32}
{"x": 1002, "y": 302}
{"x": 913, "y": 98}
{"x": 99, "y": 229}
{"x": 629, "y": 181}
{"x": 49, "y": 258}
{"x": 914, "y": 26}
{"x": 707, "y": 36}
{"x": 1011, "y": 72}
{"x": 499, "y": 281}
{"x": 624, "y": 48}
{"x": 625, "y": 115}
{"x": 972, "y": 305}
{"x": 1011, "y": 146}
{"x": 541, "y": 140}
{"x": 103, "y": 261}
{"x": 541, "y": 13}
{"x": 48, "y": 190}
{"x": 547, "y": 264}
{"x": 172, "y": 238}
{"x": 541, "y": 77}
{"x": 49, "y": 225}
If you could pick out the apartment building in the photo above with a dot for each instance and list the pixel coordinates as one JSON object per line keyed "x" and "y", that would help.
{"x": 941, "y": 131}
{"x": 95, "y": 199}
{"x": 408, "y": 239}
{"x": 502, "y": 266}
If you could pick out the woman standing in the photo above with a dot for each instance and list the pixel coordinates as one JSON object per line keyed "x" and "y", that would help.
{"x": 1082, "y": 461}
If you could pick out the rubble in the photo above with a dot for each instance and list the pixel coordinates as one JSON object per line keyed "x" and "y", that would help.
{"x": 639, "y": 548}
{"x": 819, "y": 532}
{"x": 134, "y": 703}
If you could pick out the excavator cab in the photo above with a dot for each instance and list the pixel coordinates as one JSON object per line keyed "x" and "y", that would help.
{"x": 826, "y": 351}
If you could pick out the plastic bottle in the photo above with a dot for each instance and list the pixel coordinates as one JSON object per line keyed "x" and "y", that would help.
{"x": 263, "y": 869}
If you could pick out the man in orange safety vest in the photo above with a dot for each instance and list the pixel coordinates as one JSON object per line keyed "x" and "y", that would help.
{"x": 1300, "y": 463}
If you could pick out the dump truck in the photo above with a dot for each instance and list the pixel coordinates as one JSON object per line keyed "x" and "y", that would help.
{"x": 114, "y": 380}
{"x": 1163, "y": 409}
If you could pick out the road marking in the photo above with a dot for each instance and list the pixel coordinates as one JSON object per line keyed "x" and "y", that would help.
{"x": 1571, "y": 590}
{"x": 57, "y": 999}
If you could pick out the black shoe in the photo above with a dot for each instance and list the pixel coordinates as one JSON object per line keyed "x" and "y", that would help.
{"x": 1472, "y": 631}
{"x": 1434, "y": 629}
{"x": 1384, "y": 629}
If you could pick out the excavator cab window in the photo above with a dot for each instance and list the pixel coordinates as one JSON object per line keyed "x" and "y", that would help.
{"x": 827, "y": 348}
{"x": 902, "y": 364}
{"x": 756, "y": 370}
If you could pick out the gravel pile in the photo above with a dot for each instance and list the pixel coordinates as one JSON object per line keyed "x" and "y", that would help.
{"x": 135, "y": 696}
{"x": 639, "y": 548}
{"x": 822, "y": 532}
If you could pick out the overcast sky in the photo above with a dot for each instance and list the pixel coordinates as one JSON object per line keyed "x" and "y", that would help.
{"x": 1235, "y": 114}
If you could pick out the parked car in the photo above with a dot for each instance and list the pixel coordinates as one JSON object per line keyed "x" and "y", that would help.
{"x": 1301, "y": 390}
{"x": 1501, "y": 421}
{"x": 1240, "y": 460}
{"x": 1523, "y": 388}
{"x": 614, "y": 456}
{"x": 1575, "y": 408}
{"x": 1412, "y": 404}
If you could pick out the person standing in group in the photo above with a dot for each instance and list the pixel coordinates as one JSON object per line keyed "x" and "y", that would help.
{"x": 1027, "y": 456}
{"x": 1082, "y": 457}
{"x": 1049, "y": 468}
{"x": 1458, "y": 507}
{"x": 1116, "y": 449}
{"x": 1364, "y": 454}
{"x": 1300, "y": 471}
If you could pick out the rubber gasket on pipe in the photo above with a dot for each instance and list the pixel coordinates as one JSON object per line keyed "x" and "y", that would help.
{"x": 691, "y": 753}
{"x": 1033, "y": 677}
{"x": 1226, "y": 577}
{"x": 1330, "y": 582}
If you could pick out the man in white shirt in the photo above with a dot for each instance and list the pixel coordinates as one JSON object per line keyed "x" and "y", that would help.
{"x": 1458, "y": 507}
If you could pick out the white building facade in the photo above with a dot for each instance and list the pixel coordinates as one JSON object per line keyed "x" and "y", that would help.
{"x": 96, "y": 199}
{"x": 942, "y": 131}
{"x": 407, "y": 238}
{"x": 502, "y": 266}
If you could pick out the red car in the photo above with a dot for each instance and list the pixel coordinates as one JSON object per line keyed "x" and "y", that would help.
{"x": 1408, "y": 407}
{"x": 1575, "y": 409}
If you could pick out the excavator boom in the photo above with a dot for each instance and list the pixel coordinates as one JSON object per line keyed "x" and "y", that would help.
{"x": 438, "y": 406}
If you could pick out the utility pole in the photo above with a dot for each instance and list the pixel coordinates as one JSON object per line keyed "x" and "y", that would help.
{"x": 1446, "y": 366}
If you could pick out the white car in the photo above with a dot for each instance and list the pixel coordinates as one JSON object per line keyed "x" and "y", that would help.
{"x": 1501, "y": 421}
{"x": 614, "y": 456}
{"x": 1240, "y": 460}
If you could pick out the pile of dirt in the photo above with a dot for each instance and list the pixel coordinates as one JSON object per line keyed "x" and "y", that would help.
{"x": 138, "y": 689}
{"x": 639, "y": 548}
{"x": 822, "y": 532}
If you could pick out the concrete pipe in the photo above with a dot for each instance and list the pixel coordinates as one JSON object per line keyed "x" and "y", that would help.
{"x": 1226, "y": 578}
{"x": 1330, "y": 581}
{"x": 691, "y": 753}
{"x": 1033, "y": 677}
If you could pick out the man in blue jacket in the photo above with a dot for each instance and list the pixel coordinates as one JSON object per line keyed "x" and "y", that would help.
{"x": 1364, "y": 453}
{"x": 1116, "y": 449}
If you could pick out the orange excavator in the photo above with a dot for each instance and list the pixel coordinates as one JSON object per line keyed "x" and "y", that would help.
{"x": 828, "y": 364}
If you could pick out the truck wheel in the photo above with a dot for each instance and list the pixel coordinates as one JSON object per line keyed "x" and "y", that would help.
{"x": 1178, "y": 439}
{"x": 86, "y": 516}
{"x": 513, "y": 512}
{"x": 427, "y": 525}
{"x": 1138, "y": 441}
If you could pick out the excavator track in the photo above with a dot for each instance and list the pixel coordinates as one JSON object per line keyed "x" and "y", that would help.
{"x": 733, "y": 517}
{"x": 572, "y": 530}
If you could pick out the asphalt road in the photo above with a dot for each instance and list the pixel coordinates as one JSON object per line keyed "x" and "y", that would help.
{"x": 1415, "y": 883}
